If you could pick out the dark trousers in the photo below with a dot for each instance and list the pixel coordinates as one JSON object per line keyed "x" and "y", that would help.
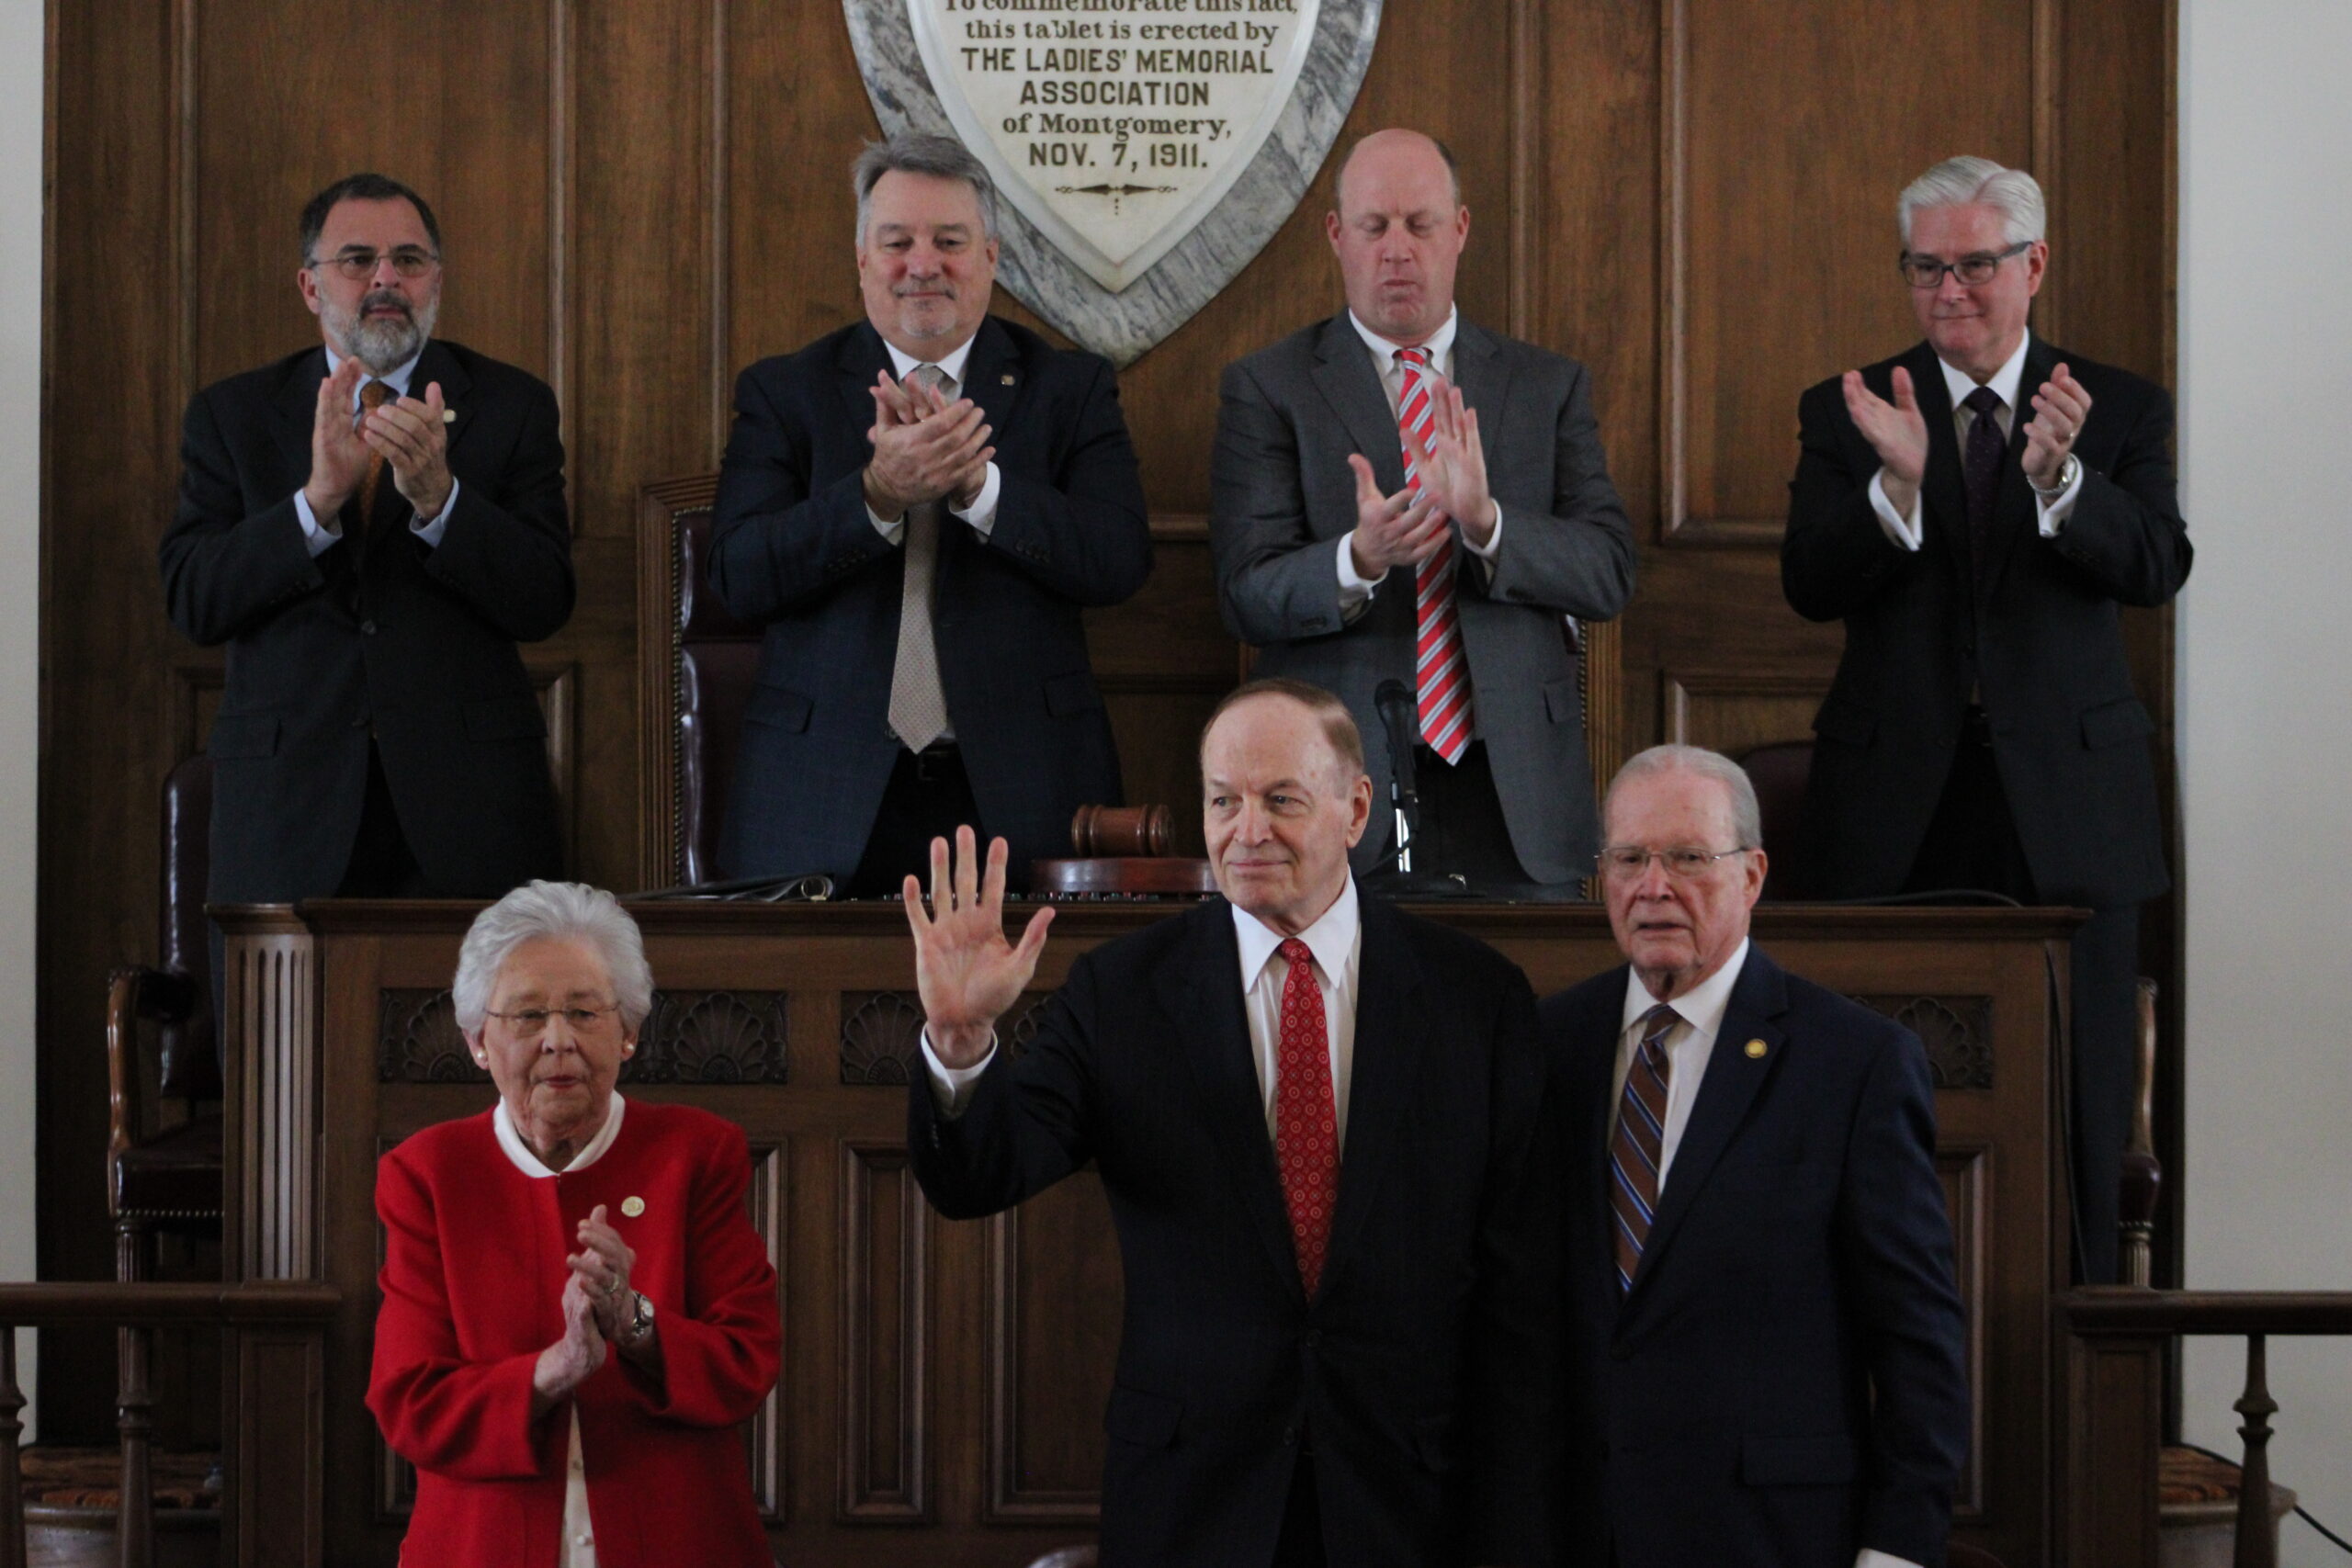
{"x": 1463, "y": 832}
{"x": 929, "y": 796}
{"x": 1300, "y": 1544}
{"x": 1973, "y": 843}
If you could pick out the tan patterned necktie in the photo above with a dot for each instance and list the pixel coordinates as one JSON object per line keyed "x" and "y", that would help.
{"x": 918, "y": 706}
{"x": 372, "y": 396}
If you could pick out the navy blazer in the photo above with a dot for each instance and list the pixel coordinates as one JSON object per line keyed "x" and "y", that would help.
{"x": 378, "y": 635}
{"x": 1417, "y": 1373}
{"x": 792, "y": 545}
{"x": 1784, "y": 1383}
{"x": 2036, "y": 628}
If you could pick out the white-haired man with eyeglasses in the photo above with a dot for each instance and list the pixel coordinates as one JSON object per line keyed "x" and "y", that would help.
{"x": 371, "y": 525}
{"x": 1763, "y": 1337}
{"x": 1976, "y": 510}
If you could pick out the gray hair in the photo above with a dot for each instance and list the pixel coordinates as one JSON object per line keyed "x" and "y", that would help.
{"x": 553, "y": 911}
{"x": 941, "y": 157}
{"x": 1962, "y": 181}
{"x": 1746, "y": 817}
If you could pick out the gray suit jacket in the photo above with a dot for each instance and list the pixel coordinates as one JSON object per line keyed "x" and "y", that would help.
{"x": 1283, "y": 499}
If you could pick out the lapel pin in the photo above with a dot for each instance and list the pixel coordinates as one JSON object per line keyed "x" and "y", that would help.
{"x": 1008, "y": 378}
{"x": 1755, "y": 1049}
{"x": 632, "y": 1205}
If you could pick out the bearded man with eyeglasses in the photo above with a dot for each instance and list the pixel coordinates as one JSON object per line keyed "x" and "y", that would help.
{"x": 1762, "y": 1334}
{"x": 371, "y": 525}
{"x": 1976, "y": 511}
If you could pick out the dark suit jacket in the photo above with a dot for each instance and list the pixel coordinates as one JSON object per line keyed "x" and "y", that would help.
{"x": 792, "y": 545}
{"x": 2036, "y": 628}
{"x": 378, "y": 635}
{"x": 1416, "y": 1372}
{"x": 1283, "y": 497}
{"x": 1784, "y": 1385}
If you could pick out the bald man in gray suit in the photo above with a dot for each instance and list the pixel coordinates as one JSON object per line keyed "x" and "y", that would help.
{"x": 1345, "y": 567}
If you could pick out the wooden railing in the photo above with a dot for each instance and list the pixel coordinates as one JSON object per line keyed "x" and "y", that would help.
{"x": 272, "y": 1436}
{"x": 2117, "y": 1339}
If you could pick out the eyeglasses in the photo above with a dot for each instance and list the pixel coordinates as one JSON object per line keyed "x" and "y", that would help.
{"x": 1926, "y": 272}
{"x": 1629, "y": 862}
{"x": 530, "y": 1023}
{"x": 358, "y": 265}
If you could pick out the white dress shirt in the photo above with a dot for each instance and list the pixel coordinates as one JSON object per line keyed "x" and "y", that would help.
{"x": 318, "y": 536}
{"x": 1688, "y": 1049}
{"x": 1336, "y": 941}
{"x": 980, "y": 517}
{"x": 1356, "y": 589}
{"x": 2006, "y": 383}
{"x": 579, "y": 1538}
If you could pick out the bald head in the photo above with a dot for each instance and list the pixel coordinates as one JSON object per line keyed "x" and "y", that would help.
{"x": 1397, "y": 227}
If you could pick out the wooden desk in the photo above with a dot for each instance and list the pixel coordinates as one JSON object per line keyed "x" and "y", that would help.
{"x": 943, "y": 1386}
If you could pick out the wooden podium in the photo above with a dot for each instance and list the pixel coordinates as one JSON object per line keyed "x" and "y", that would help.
{"x": 943, "y": 1385}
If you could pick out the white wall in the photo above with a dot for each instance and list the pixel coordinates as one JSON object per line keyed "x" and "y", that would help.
{"x": 20, "y": 259}
{"x": 2265, "y": 666}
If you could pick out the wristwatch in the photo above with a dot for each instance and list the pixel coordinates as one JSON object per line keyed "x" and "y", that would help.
{"x": 639, "y": 1328}
{"x": 2068, "y": 471}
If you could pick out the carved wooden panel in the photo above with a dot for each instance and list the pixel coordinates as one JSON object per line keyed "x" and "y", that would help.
{"x": 269, "y": 984}
{"x": 1053, "y": 1293}
{"x": 1957, "y": 1032}
{"x": 690, "y": 1037}
{"x": 884, "y": 1453}
{"x": 1731, "y": 713}
{"x": 881, "y": 1032}
{"x": 1966, "y": 1170}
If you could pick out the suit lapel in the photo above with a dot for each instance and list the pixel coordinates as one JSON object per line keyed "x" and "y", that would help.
{"x": 2014, "y": 513}
{"x": 1945, "y": 526}
{"x": 992, "y": 376}
{"x": 438, "y": 364}
{"x": 1203, "y": 994}
{"x": 1735, "y": 1075}
{"x": 863, "y": 356}
{"x": 296, "y": 409}
{"x": 1391, "y": 1033}
{"x": 1343, "y": 374}
{"x": 1484, "y": 376}
{"x": 1592, "y": 1043}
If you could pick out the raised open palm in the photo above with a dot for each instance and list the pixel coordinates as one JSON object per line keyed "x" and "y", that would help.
{"x": 966, "y": 972}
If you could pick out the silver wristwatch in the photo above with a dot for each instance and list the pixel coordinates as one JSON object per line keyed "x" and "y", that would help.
{"x": 2067, "y": 473}
{"x": 640, "y": 1324}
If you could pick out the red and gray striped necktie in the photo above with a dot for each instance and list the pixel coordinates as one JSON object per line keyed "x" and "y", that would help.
{"x": 1441, "y": 672}
{"x": 1637, "y": 1148}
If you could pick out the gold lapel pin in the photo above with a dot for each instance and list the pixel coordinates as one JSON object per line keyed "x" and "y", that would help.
{"x": 448, "y": 416}
{"x": 1755, "y": 1049}
{"x": 1008, "y": 378}
{"x": 632, "y": 1205}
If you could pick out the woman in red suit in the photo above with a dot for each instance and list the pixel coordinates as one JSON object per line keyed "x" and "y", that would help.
{"x": 577, "y": 1312}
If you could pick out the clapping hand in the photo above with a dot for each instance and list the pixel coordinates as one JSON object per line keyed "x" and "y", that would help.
{"x": 338, "y": 456}
{"x": 924, "y": 448}
{"x": 573, "y": 1359}
{"x": 601, "y": 1269}
{"x": 1404, "y": 529}
{"x": 1453, "y": 465}
{"x": 2059, "y": 411}
{"x": 966, "y": 973}
{"x": 1896, "y": 431}
{"x": 414, "y": 440}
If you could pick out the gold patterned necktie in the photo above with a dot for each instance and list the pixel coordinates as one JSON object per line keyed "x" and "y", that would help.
{"x": 918, "y": 706}
{"x": 372, "y": 396}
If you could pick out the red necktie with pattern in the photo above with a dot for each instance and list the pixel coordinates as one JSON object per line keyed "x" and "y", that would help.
{"x": 1440, "y": 672}
{"x": 1637, "y": 1148}
{"x": 1306, "y": 1125}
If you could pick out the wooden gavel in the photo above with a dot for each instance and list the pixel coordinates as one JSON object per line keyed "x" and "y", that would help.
{"x": 1098, "y": 832}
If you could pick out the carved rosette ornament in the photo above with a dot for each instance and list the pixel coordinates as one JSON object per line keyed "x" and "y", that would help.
{"x": 1145, "y": 150}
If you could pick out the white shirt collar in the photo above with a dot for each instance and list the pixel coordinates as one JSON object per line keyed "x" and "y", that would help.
{"x": 903, "y": 365}
{"x": 1330, "y": 939}
{"x": 1384, "y": 353}
{"x": 1701, "y": 1006}
{"x": 396, "y": 377}
{"x": 1960, "y": 383}
{"x": 511, "y": 1143}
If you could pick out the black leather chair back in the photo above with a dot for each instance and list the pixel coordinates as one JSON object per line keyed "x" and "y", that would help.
{"x": 189, "y": 1061}
{"x": 1779, "y": 771}
{"x": 719, "y": 656}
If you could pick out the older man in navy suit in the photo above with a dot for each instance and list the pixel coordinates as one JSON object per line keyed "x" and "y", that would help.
{"x": 918, "y": 507}
{"x": 1764, "y": 1363}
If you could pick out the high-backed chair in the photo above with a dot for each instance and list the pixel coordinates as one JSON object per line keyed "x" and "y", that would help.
{"x": 163, "y": 1170}
{"x": 696, "y": 664}
{"x": 1779, "y": 769}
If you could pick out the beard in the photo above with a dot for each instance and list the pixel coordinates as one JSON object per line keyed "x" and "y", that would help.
{"x": 383, "y": 344}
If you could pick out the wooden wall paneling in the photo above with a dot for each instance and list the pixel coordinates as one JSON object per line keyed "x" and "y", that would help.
{"x": 1964, "y": 1169}
{"x": 885, "y": 1453}
{"x": 1729, "y": 712}
{"x": 770, "y": 1434}
{"x": 1053, "y": 1293}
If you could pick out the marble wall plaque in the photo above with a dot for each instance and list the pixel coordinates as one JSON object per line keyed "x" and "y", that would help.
{"x": 1143, "y": 149}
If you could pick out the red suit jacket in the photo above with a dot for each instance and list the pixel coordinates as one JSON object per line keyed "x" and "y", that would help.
{"x": 473, "y": 1271}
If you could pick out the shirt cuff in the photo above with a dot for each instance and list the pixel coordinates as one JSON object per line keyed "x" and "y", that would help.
{"x": 951, "y": 1087}
{"x": 1356, "y": 589}
{"x": 2054, "y": 512}
{"x": 891, "y": 531}
{"x": 980, "y": 517}
{"x": 430, "y": 529}
{"x": 1871, "y": 1559}
{"x": 1901, "y": 531}
{"x": 316, "y": 539}
{"x": 1493, "y": 544}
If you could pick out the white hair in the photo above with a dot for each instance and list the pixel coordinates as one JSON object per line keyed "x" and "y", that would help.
{"x": 553, "y": 911}
{"x": 1965, "y": 182}
{"x": 1746, "y": 817}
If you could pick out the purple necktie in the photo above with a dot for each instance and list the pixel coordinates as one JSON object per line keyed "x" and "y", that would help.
{"x": 1981, "y": 470}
